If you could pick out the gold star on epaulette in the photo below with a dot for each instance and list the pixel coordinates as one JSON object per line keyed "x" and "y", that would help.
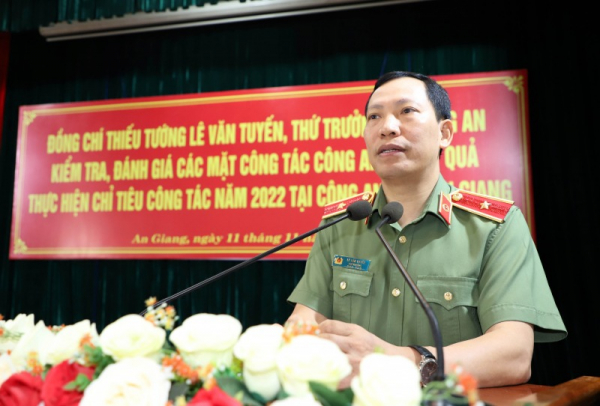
{"x": 490, "y": 207}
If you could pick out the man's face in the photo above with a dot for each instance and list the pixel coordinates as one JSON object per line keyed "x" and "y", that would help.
{"x": 402, "y": 135}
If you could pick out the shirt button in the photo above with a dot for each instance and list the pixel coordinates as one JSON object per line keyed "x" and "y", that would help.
{"x": 343, "y": 285}
{"x": 448, "y": 296}
{"x": 402, "y": 239}
{"x": 395, "y": 292}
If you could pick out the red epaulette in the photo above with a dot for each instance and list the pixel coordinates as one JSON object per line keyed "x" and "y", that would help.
{"x": 340, "y": 206}
{"x": 493, "y": 208}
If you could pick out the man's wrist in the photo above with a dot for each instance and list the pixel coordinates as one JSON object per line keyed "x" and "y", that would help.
{"x": 416, "y": 356}
{"x": 427, "y": 363}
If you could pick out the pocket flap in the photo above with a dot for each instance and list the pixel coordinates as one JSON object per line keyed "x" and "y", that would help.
{"x": 449, "y": 292}
{"x": 348, "y": 281}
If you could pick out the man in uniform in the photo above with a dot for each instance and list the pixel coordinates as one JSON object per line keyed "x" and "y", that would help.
{"x": 471, "y": 256}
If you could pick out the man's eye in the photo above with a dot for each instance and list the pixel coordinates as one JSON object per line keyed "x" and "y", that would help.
{"x": 407, "y": 110}
{"x": 372, "y": 116}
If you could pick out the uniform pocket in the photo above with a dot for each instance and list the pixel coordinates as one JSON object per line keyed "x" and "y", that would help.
{"x": 449, "y": 292}
{"x": 351, "y": 290}
{"x": 454, "y": 302}
{"x": 351, "y": 282}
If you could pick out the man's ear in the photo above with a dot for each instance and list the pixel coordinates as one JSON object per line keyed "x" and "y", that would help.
{"x": 446, "y": 133}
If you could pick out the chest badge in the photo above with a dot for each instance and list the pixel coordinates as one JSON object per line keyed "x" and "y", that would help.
{"x": 351, "y": 263}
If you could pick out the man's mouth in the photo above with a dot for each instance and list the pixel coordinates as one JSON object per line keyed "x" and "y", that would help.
{"x": 389, "y": 149}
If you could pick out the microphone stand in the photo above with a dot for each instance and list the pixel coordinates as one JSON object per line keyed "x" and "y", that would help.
{"x": 435, "y": 328}
{"x": 349, "y": 213}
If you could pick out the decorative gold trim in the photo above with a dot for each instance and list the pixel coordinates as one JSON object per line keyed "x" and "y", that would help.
{"x": 154, "y": 251}
{"x": 28, "y": 117}
{"x": 20, "y": 246}
{"x": 459, "y": 196}
{"x": 488, "y": 216}
{"x": 515, "y": 84}
{"x": 179, "y": 102}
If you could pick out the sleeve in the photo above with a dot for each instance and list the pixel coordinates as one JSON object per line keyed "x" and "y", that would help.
{"x": 314, "y": 288}
{"x": 513, "y": 283}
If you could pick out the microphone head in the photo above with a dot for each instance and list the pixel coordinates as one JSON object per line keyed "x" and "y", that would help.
{"x": 393, "y": 210}
{"x": 359, "y": 210}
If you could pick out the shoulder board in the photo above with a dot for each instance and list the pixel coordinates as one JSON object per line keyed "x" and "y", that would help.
{"x": 340, "y": 206}
{"x": 493, "y": 208}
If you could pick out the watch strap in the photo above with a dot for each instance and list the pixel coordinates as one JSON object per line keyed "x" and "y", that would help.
{"x": 423, "y": 351}
{"x": 427, "y": 365}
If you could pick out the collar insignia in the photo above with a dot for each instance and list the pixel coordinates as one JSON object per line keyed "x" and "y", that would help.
{"x": 445, "y": 208}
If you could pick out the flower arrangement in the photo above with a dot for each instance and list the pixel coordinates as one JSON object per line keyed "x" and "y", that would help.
{"x": 207, "y": 360}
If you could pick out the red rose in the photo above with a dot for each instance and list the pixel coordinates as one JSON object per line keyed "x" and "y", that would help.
{"x": 213, "y": 397}
{"x": 53, "y": 392}
{"x": 21, "y": 389}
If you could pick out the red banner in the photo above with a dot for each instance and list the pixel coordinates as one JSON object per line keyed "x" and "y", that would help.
{"x": 228, "y": 175}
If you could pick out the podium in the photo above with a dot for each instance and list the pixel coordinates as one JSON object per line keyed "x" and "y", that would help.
{"x": 581, "y": 391}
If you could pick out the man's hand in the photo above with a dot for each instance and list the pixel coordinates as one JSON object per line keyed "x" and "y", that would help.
{"x": 353, "y": 340}
{"x": 303, "y": 314}
{"x": 499, "y": 357}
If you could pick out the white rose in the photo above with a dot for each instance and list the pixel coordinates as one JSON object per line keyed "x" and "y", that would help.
{"x": 205, "y": 338}
{"x": 66, "y": 343}
{"x": 311, "y": 358}
{"x": 20, "y": 324}
{"x": 133, "y": 381}
{"x": 33, "y": 341}
{"x": 258, "y": 348}
{"x": 387, "y": 380}
{"x": 132, "y": 336}
{"x": 13, "y": 330}
{"x": 306, "y": 400}
{"x": 7, "y": 368}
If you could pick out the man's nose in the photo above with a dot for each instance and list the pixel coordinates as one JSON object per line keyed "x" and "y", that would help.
{"x": 390, "y": 126}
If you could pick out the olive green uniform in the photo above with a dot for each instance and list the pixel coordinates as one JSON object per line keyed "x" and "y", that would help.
{"x": 474, "y": 272}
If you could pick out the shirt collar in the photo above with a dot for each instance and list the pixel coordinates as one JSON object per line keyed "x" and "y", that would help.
{"x": 431, "y": 205}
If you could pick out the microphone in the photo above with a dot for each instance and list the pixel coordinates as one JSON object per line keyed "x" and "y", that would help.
{"x": 358, "y": 210}
{"x": 391, "y": 213}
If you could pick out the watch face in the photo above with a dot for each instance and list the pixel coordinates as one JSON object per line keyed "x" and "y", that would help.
{"x": 428, "y": 368}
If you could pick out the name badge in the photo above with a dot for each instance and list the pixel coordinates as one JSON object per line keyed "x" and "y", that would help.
{"x": 351, "y": 263}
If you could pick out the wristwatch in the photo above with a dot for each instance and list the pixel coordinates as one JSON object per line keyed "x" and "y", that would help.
{"x": 428, "y": 364}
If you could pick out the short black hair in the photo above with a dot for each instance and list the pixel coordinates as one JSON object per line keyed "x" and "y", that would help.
{"x": 435, "y": 92}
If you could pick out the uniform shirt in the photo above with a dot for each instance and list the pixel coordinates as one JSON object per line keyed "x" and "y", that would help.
{"x": 474, "y": 273}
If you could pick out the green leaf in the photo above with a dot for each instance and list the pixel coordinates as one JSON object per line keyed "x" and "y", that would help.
{"x": 441, "y": 392}
{"x": 328, "y": 397}
{"x": 168, "y": 348}
{"x": 178, "y": 389}
{"x": 234, "y": 388}
{"x": 79, "y": 384}
{"x": 222, "y": 372}
{"x": 98, "y": 359}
